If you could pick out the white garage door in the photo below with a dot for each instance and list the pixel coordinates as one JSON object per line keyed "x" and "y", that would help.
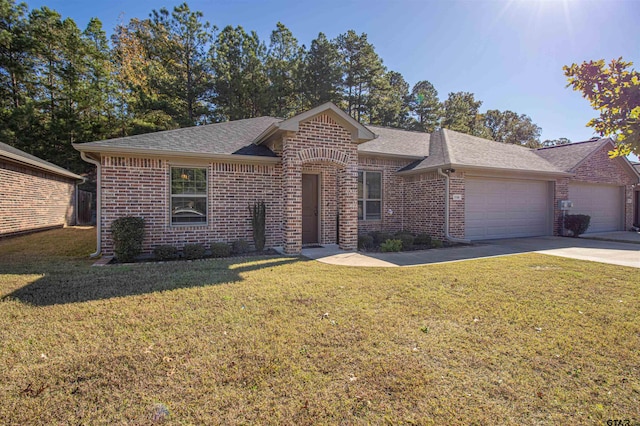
{"x": 602, "y": 202}
{"x": 506, "y": 208}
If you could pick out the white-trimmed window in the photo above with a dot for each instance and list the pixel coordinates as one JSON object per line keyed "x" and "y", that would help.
{"x": 188, "y": 195}
{"x": 369, "y": 195}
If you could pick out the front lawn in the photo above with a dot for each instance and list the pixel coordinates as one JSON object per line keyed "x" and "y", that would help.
{"x": 528, "y": 339}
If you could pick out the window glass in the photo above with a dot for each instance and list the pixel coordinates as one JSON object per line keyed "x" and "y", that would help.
{"x": 369, "y": 195}
{"x": 374, "y": 209}
{"x": 188, "y": 195}
{"x": 373, "y": 185}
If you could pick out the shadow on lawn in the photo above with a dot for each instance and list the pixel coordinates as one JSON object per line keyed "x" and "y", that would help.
{"x": 73, "y": 282}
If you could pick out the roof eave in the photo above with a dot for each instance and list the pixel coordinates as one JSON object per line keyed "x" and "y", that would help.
{"x": 387, "y": 155}
{"x": 486, "y": 169}
{"x": 31, "y": 163}
{"x": 266, "y": 134}
{"x": 167, "y": 153}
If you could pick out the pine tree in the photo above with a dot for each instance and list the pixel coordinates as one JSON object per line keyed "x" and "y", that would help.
{"x": 425, "y": 107}
{"x": 240, "y": 81}
{"x": 361, "y": 68}
{"x": 283, "y": 67}
{"x": 322, "y": 75}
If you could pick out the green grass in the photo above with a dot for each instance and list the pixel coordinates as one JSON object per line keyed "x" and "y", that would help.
{"x": 528, "y": 339}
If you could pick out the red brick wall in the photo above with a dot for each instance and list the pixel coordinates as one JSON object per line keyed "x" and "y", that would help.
{"x": 392, "y": 194}
{"x": 320, "y": 141}
{"x": 599, "y": 168}
{"x": 31, "y": 199}
{"x": 140, "y": 187}
{"x": 424, "y": 204}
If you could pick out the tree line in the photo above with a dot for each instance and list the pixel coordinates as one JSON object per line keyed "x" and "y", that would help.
{"x": 62, "y": 85}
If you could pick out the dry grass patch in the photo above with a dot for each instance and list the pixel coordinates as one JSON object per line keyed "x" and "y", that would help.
{"x": 514, "y": 340}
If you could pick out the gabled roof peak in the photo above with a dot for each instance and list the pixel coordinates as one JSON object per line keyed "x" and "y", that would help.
{"x": 359, "y": 133}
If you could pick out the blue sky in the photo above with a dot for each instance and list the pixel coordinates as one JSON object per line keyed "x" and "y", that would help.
{"x": 509, "y": 53}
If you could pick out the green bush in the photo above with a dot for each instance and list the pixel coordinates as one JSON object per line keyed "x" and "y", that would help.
{"x": 240, "y": 247}
{"x": 220, "y": 250}
{"x": 422, "y": 240}
{"x": 165, "y": 252}
{"x": 380, "y": 237}
{"x": 407, "y": 239}
{"x": 128, "y": 233}
{"x": 193, "y": 251}
{"x": 365, "y": 242}
{"x": 577, "y": 223}
{"x": 435, "y": 243}
{"x": 391, "y": 245}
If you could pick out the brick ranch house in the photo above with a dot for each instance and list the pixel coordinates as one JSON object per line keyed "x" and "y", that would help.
{"x": 325, "y": 178}
{"x": 35, "y": 195}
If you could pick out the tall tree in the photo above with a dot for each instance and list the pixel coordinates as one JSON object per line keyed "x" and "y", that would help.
{"x": 17, "y": 115}
{"x": 283, "y": 68}
{"x": 425, "y": 106}
{"x": 614, "y": 91}
{"x": 15, "y": 53}
{"x": 180, "y": 44}
{"x": 138, "y": 107}
{"x": 510, "y": 127}
{"x": 362, "y": 68}
{"x": 322, "y": 75}
{"x": 461, "y": 114}
{"x": 240, "y": 80}
{"x": 388, "y": 101}
{"x": 99, "y": 90}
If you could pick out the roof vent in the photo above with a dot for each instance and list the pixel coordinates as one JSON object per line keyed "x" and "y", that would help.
{"x": 595, "y": 138}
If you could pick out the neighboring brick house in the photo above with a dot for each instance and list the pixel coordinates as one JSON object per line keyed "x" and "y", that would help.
{"x": 325, "y": 177}
{"x": 34, "y": 194}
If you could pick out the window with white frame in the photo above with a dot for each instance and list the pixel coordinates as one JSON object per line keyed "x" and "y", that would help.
{"x": 188, "y": 195}
{"x": 369, "y": 195}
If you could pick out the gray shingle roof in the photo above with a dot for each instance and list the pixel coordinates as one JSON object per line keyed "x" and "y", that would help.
{"x": 449, "y": 148}
{"x": 14, "y": 154}
{"x": 231, "y": 137}
{"x": 396, "y": 142}
{"x": 568, "y": 156}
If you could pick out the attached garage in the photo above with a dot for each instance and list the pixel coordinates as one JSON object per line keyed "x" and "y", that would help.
{"x": 506, "y": 208}
{"x": 604, "y": 203}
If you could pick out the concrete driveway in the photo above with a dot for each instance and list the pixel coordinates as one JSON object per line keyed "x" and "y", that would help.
{"x": 616, "y": 253}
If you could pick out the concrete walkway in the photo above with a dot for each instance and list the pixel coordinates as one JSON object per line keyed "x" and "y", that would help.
{"x": 616, "y": 253}
{"x": 618, "y": 236}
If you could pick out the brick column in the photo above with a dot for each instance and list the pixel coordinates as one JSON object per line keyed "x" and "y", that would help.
{"x": 349, "y": 206}
{"x": 292, "y": 188}
{"x": 561, "y": 193}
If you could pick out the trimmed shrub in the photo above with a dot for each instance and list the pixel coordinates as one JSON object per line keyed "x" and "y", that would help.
{"x": 577, "y": 223}
{"x": 240, "y": 247}
{"x": 365, "y": 242}
{"x": 407, "y": 239}
{"x": 220, "y": 250}
{"x": 391, "y": 245}
{"x": 380, "y": 237}
{"x": 259, "y": 224}
{"x": 193, "y": 251}
{"x": 435, "y": 243}
{"x": 165, "y": 252}
{"x": 422, "y": 240}
{"x": 128, "y": 233}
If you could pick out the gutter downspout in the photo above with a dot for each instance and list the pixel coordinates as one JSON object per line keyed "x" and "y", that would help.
{"x": 98, "y": 202}
{"x": 446, "y": 211}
